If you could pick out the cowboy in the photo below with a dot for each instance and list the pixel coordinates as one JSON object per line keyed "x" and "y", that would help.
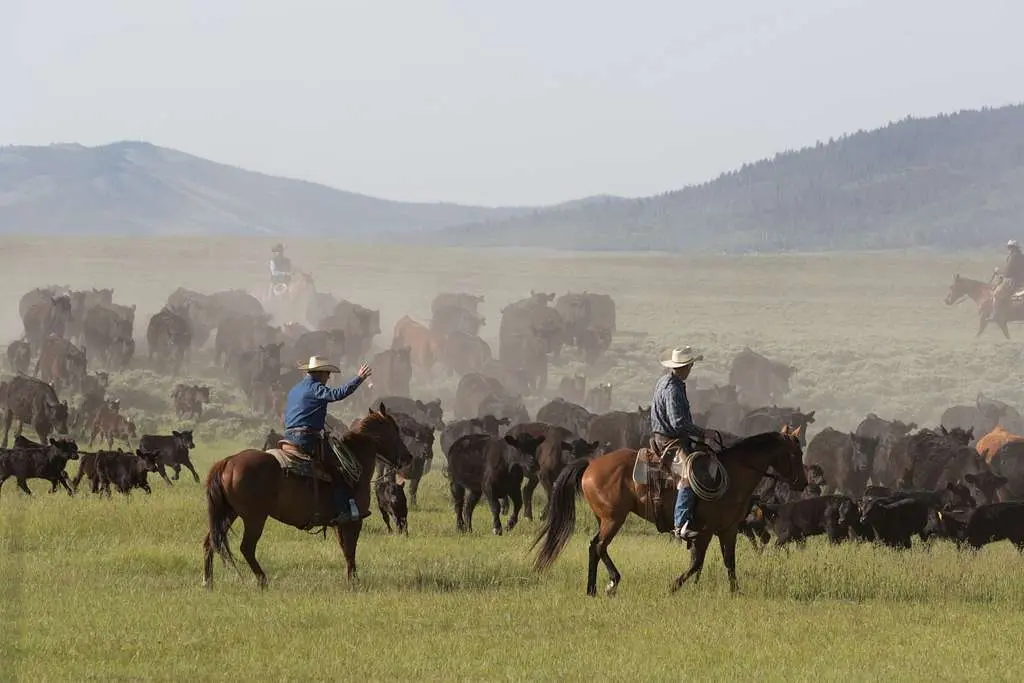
{"x": 305, "y": 414}
{"x": 280, "y": 266}
{"x": 673, "y": 429}
{"x": 1011, "y": 277}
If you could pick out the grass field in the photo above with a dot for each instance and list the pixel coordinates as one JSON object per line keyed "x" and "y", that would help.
{"x": 97, "y": 589}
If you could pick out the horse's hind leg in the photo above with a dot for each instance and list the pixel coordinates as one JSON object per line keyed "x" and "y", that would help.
{"x": 348, "y": 538}
{"x": 593, "y": 554}
{"x": 700, "y": 550}
{"x": 250, "y": 537}
{"x": 609, "y": 528}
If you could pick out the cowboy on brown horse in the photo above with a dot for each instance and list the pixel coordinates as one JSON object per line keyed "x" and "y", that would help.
{"x": 305, "y": 415}
{"x": 674, "y": 432}
{"x": 1012, "y": 276}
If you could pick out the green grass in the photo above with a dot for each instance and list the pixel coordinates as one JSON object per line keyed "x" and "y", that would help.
{"x": 111, "y": 590}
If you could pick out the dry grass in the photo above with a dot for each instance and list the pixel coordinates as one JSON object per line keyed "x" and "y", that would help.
{"x": 110, "y": 589}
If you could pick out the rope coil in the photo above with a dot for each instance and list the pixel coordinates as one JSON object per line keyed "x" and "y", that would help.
{"x": 706, "y": 490}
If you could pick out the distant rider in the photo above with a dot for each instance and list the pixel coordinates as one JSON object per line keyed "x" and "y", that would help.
{"x": 280, "y": 266}
{"x": 672, "y": 421}
{"x": 1012, "y": 276}
{"x": 305, "y": 417}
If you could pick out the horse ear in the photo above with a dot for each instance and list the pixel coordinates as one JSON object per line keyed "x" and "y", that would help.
{"x": 796, "y": 432}
{"x": 785, "y": 429}
{"x": 383, "y": 410}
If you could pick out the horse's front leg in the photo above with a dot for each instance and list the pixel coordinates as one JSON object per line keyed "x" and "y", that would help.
{"x": 348, "y": 538}
{"x": 700, "y": 550}
{"x": 727, "y": 542}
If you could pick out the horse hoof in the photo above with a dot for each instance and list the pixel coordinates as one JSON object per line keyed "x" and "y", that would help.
{"x": 612, "y": 589}
{"x": 497, "y": 531}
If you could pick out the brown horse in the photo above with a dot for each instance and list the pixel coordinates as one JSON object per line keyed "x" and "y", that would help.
{"x": 607, "y": 485}
{"x": 251, "y": 485}
{"x": 981, "y": 294}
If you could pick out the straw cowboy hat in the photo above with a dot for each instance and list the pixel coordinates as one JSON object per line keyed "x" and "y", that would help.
{"x": 679, "y": 358}
{"x": 318, "y": 364}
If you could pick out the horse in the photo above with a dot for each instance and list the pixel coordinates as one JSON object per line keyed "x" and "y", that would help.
{"x": 250, "y": 484}
{"x": 607, "y": 485}
{"x": 982, "y": 294}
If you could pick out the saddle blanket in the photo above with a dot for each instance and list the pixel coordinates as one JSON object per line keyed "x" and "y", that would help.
{"x": 298, "y": 465}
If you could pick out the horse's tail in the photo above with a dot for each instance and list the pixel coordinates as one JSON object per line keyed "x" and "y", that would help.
{"x": 219, "y": 512}
{"x": 562, "y": 514}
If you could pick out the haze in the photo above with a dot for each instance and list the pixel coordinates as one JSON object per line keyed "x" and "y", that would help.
{"x": 493, "y": 103}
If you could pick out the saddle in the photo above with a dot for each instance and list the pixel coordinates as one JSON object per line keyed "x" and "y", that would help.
{"x": 295, "y": 463}
{"x": 653, "y": 484}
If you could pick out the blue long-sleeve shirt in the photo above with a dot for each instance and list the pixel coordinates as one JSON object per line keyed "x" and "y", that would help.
{"x": 670, "y": 410}
{"x": 307, "y": 402}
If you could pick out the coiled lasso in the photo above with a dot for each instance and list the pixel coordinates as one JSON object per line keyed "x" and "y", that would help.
{"x": 703, "y": 490}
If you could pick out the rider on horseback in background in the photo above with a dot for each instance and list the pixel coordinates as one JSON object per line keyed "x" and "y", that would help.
{"x": 280, "y": 266}
{"x": 673, "y": 429}
{"x": 305, "y": 415}
{"x": 1012, "y": 276}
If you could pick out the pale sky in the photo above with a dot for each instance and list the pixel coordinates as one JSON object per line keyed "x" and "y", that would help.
{"x": 487, "y": 102}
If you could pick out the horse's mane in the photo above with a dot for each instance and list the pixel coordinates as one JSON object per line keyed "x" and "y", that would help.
{"x": 755, "y": 442}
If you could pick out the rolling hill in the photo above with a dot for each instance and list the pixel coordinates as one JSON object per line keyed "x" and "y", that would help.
{"x": 949, "y": 181}
{"x": 135, "y": 188}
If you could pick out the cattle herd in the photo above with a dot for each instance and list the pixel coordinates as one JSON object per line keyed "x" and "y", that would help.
{"x": 886, "y": 481}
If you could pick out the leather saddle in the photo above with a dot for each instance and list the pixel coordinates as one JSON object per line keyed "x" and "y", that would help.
{"x": 294, "y": 462}
{"x": 653, "y": 484}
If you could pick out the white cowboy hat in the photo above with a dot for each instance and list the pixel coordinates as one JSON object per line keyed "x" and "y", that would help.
{"x": 318, "y": 364}
{"x": 679, "y": 358}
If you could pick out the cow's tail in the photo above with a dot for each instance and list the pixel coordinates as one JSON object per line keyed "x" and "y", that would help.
{"x": 219, "y": 513}
{"x": 561, "y": 519}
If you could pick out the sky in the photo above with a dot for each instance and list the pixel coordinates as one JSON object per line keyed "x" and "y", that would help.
{"x": 494, "y": 103}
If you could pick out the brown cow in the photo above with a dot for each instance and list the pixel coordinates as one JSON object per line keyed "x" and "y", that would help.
{"x": 49, "y": 316}
{"x": 464, "y": 353}
{"x": 472, "y": 390}
{"x": 61, "y": 364}
{"x": 989, "y": 444}
{"x": 189, "y": 400}
{"x": 392, "y": 372}
{"x": 619, "y": 429}
{"x": 423, "y": 344}
{"x": 110, "y": 424}
{"x": 758, "y": 380}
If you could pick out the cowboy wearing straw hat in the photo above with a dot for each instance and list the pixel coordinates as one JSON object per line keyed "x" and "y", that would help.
{"x": 305, "y": 415}
{"x": 672, "y": 421}
{"x": 1012, "y": 275}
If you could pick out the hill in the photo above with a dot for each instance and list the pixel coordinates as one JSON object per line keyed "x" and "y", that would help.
{"x": 140, "y": 189}
{"x": 949, "y": 181}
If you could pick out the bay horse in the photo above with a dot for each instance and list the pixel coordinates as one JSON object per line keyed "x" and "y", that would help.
{"x": 607, "y": 485}
{"x": 981, "y": 294}
{"x": 250, "y": 484}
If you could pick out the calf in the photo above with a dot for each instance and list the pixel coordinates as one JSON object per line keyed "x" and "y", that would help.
{"x": 391, "y": 502}
{"x": 125, "y": 470}
{"x": 39, "y": 462}
{"x": 189, "y": 400}
{"x": 894, "y": 520}
{"x": 110, "y": 424}
{"x": 800, "y": 519}
{"x": 482, "y": 465}
{"x": 173, "y": 452}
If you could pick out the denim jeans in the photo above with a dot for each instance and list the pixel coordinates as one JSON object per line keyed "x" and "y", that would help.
{"x": 684, "y": 506}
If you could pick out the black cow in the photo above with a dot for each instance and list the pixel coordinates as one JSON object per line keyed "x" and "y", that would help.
{"x": 453, "y": 431}
{"x": 894, "y": 520}
{"x": 173, "y": 452}
{"x": 125, "y": 470}
{"x": 429, "y": 413}
{"x": 391, "y": 502}
{"x": 35, "y": 402}
{"x": 797, "y": 520}
{"x": 39, "y": 462}
{"x": 991, "y": 523}
{"x": 479, "y": 464}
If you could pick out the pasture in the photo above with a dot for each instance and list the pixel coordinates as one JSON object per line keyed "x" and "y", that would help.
{"x": 110, "y": 589}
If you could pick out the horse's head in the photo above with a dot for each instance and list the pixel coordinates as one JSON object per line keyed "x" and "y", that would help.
{"x": 382, "y": 429}
{"x": 957, "y": 290}
{"x": 789, "y": 458}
